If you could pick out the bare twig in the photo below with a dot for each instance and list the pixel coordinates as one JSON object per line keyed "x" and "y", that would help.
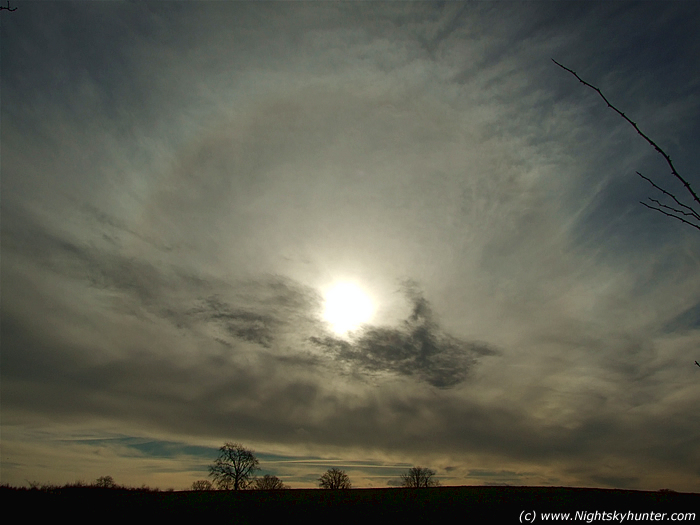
{"x": 8, "y": 8}
{"x": 669, "y": 214}
{"x": 692, "y": 212}
{"x": 661, "y": 205}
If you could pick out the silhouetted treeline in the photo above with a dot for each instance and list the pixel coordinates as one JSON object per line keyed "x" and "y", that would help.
{"x": 408, "y": 504}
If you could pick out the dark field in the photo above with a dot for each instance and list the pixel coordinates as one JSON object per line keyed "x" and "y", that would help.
{"x": 410, "y": 505}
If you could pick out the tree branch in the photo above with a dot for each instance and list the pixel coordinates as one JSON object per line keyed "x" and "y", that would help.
{"x": 653, "y": 144}
{"x": 660, "y": 205}
{"x": 670, "y": 215}
{"x": 692, "y": 211}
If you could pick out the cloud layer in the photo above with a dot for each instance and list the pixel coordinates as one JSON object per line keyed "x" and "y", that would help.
{"x": 181, "y": 186}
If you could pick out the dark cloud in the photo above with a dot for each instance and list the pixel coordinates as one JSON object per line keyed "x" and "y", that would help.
{"x": 52, "y": 247}
{"x": 255, "y": 310}
{"x": 258, "y": 311}
{"x": 244, "y": 324}
{"x": 420, "y": 348}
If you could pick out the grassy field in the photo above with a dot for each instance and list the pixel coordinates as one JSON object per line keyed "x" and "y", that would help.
{"x": 408, "y": 505}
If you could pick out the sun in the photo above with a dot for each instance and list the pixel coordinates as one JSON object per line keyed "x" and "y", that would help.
{"x": 347, "y": 307}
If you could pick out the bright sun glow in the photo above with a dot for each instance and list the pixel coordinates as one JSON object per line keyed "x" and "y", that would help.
{"x": 347, "y": 307}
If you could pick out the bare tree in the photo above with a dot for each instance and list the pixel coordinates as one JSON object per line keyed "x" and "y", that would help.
{"x": 417, "y": 477}
{"x": 334, "y": 479}
{"x": 268, "y": 482}
{"x": 688, "y": 213}
{"x": 234, "y": 467}
{"x": 8, "y": 8}
{"x": 202, "y": 484}
{"x": 105, "y": 482}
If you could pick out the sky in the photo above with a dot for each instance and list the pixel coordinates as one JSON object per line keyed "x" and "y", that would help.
{"x": 186, "y": 184}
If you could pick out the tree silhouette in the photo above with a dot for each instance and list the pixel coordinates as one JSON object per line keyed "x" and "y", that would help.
{"x": 686, "y": 213}
{"x": 202, "y": 484}
{"x": 105, "y": 482}
{"x": 234, "y": 467}
{"x": 417, "y": 477}
{"x": 334, "y": 479}
{"x": 268, "y": 482}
